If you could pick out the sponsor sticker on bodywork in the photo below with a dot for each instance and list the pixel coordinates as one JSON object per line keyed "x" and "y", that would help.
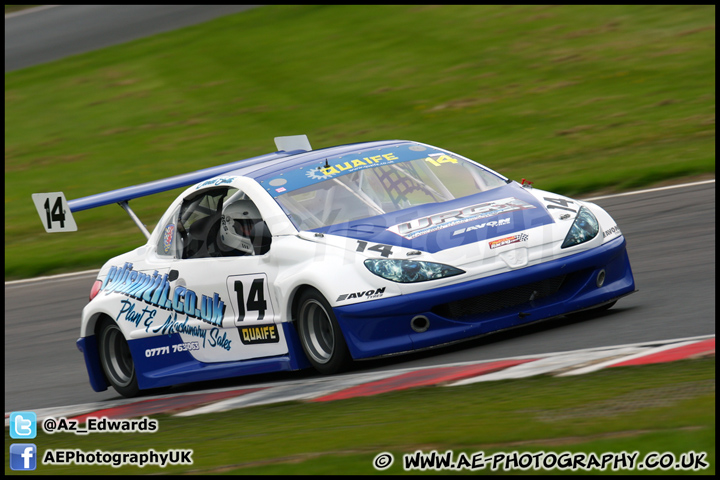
{"x": 168, "y": 235}
{"x": 501, "y": 242}
{"x": 450, "y": 218}
{"x": 365, "y": 295}
{"x": 491, "y": 223}
{"x": 155, "y": 290}
{"x": 259, "y": 334}
{"x": 611, "y": 231}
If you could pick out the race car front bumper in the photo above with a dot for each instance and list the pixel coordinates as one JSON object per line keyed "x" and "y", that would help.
{"x": 462, "y": 311}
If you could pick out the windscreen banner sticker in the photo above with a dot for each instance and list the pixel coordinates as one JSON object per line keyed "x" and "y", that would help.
{"x": 437, "y": 159}
{"x": 357, "y": 164}
{"x": 450, "y": 218}
{"x": 327, "y": 169}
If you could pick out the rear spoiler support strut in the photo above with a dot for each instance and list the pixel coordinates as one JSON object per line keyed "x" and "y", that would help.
{"x": 141, "y": 226}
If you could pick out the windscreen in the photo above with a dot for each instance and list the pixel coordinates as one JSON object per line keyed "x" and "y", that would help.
{"x": 356, "y": 192}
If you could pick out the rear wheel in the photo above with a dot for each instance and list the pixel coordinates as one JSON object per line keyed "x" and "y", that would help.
{"x": 116, "y": 360}
{"x": 320, "y": 334}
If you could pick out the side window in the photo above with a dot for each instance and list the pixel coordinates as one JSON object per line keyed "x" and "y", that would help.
{"x": 199, "y": 222}
{"x": 169, "y": 243}
{"x": 242, "y": 229}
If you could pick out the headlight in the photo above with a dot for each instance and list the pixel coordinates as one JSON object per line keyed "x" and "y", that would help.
{"x": 583, "y": 229}
{"x": 409, "y": 271}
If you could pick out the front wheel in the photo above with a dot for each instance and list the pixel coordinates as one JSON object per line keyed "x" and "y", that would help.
{"x": 320, "y": 334}
{"x": 116, "y": 360}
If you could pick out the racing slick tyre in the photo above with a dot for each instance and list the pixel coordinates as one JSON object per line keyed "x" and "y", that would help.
{"x": 115, "y": 358}
{"x": 320, "y": 334}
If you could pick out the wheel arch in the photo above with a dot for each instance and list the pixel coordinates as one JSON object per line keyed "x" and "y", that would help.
{"x": 96, "y": 320}
{"x": 115, "y": 356}
{"x": 294, "y": 302}
{"x": 94, "y": 323}
{"x": 339, "y": 356}
{"x": 89, "y": 347}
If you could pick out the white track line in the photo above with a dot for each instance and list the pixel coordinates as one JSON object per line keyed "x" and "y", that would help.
{"x": 537, "y": 356}
{"x": 650, "y": 190}
{"x": 549, "y": 365}
{"x": 645, "y": 353}
{"x": 28, "y": 10}
{"x": 62, "y": 276}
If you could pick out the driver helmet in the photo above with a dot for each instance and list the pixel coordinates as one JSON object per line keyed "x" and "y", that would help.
{"x": 239, "y": 215}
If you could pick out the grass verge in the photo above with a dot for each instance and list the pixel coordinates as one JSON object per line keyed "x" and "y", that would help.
{"x": 663, "y": 408}
{"x": 17, "y": 8}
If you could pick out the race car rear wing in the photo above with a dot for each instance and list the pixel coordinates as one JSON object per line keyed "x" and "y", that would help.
{"x": 56, "y": 212}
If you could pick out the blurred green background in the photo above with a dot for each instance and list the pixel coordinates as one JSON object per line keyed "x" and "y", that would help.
{"x": 577, "y": 99}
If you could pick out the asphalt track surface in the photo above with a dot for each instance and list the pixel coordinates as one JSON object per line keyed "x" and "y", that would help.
{"x": 54, "y": 32}
{"x": 671, "y": 243}
{"x": 670, "y": 234}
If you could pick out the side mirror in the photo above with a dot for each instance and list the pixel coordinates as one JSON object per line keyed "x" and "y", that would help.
{"x": 261, "y": 238}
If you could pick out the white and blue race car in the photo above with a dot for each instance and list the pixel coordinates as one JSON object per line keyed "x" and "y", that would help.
{"x": 304, "y": 258}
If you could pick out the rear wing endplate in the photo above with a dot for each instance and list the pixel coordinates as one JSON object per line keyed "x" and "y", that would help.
{"x": 54, "y": 212}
